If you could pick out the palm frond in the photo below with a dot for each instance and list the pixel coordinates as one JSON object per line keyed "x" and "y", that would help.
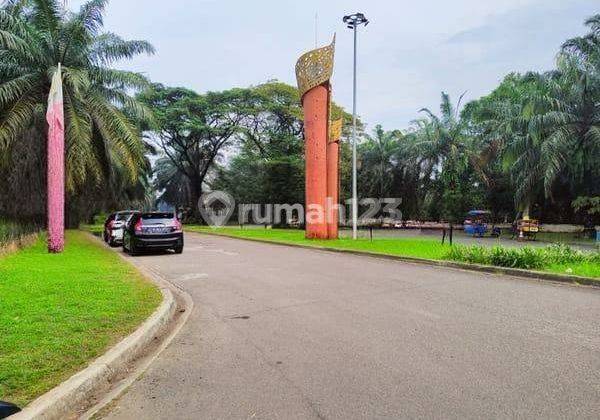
{"x": 11, "y": 42}
{"x": 119, "y": 132}
{"x": 109, "y": 48}
{"x": 120, "y": 79}
{"x": 13, "y": 89}
{"x": 82, "y": 162}
{"x": 16, "y": 119}
{"x": 46, "y": 16}
{"x": 91, "y": 15}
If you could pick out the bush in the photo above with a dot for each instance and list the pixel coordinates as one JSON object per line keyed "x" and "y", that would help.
{"x": 564, "y": 254}
{"x": 525, "y": 257}
{"x": 13, "y": 231}
{"x": 471, "y": 254}
{"x": 594, "y": 257}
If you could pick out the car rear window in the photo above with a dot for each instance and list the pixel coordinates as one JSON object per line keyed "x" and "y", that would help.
{"x": 120, "y": 217}
{"x": 157, "y": 218}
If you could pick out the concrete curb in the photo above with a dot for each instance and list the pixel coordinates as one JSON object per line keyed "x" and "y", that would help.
{"x": 515, "y": 272}
{"x": 123, "y": 385}
{"x": 65, "y": 399}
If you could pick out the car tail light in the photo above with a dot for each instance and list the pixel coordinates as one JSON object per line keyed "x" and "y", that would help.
{"x": 111, "y": 224}
{"x": 138, "y": 226}
{"x": 177, "y": 226}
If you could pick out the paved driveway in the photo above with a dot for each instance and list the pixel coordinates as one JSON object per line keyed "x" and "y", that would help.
{"x": 287, "y": 333}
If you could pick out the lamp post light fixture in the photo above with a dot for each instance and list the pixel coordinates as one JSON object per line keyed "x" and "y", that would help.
{"x": 352, "y": 22}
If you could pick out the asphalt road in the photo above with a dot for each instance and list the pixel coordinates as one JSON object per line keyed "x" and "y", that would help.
{"x": 287, "y": 333}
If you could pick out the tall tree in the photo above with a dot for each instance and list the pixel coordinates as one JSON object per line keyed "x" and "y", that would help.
{"x": 268, "y": 167}
{"x": 573, "y": 122}
{"x": 269, "y": 164}
{"x": 100, "y": 115}
{"x": 507, "y": 126}
{"x": 444, "y": 144}
{"x": 378, "y": 160}
{"x": 192, "y": 130}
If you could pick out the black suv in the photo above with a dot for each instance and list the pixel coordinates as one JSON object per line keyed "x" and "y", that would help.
{"x": 153, "y": 230}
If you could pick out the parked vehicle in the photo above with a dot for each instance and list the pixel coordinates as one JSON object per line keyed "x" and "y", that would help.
{"x": 477, "y": 224}
{"x": 153, "y": 231}
{"x": 113, "y": 227}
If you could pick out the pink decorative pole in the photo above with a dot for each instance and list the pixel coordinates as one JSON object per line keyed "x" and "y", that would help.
{"x": 56, "y": 165}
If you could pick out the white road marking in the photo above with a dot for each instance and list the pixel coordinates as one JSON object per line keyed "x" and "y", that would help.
{"x": 192, "y": 276}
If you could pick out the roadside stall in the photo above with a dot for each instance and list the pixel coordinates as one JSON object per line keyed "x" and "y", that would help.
{"x": 527, "y": 229}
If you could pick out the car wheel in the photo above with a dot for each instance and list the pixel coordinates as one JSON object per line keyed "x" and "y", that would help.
{"x": 179, "y": 250}
{"x": 104, "y": 236}
{"x": 132, "y": 249}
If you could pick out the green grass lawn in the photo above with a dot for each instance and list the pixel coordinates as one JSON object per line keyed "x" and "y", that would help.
{"x": 96, "y": 229}
{"x": 58, "y": 312}
{"x": 407, "y": 247}
{"x": 584, "y": 269}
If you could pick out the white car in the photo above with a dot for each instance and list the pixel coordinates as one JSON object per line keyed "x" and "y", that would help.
{"x": 114, "y": 225}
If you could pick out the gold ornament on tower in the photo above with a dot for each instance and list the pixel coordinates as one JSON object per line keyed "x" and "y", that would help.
{"x": 335, "y": 130}
{"x": 315, "y": 67}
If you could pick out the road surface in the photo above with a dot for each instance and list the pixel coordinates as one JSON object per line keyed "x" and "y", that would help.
{"x": 287, "y": 333}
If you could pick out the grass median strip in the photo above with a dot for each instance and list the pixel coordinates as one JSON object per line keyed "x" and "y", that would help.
{"x": 59, "y": 312}
{"x": 407, "y": 247}
{"x": 557, "y": 259}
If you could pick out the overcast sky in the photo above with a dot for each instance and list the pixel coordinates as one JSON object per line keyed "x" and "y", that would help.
{"x": 411, "y": 51}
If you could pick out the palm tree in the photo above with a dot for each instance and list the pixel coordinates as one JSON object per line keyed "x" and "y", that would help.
{"x": 442, "y": 139}
{"x": 444, "y": 148}
{"x": 378, "y": 154}
{"x": 510, "y": 126}
{"x": 100, "y": 116}
{"x": 573, "y": 122}
{"x": 550, "y": 123}
{"x": 587, "y": 47}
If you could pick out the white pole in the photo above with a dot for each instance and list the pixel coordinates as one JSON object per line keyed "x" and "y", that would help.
{"x": 354, "y": 170}
{"x": 316, "y": 29}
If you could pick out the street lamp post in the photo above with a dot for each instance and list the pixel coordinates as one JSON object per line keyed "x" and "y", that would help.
{"x": 352, "y": 22}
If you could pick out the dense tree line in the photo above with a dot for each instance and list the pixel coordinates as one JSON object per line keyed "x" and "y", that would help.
{"x": 246, "y": 141}
{"x": 531, "y": 146}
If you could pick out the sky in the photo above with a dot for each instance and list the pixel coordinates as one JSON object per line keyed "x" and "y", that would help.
{"x": 409, "y": 53}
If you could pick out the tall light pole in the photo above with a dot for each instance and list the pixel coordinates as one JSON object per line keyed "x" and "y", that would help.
{"x": 352, "y": 22}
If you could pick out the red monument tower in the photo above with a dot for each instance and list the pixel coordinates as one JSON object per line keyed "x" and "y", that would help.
{"x": 333, "y": 178}
{"x": 313, "y": 72}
